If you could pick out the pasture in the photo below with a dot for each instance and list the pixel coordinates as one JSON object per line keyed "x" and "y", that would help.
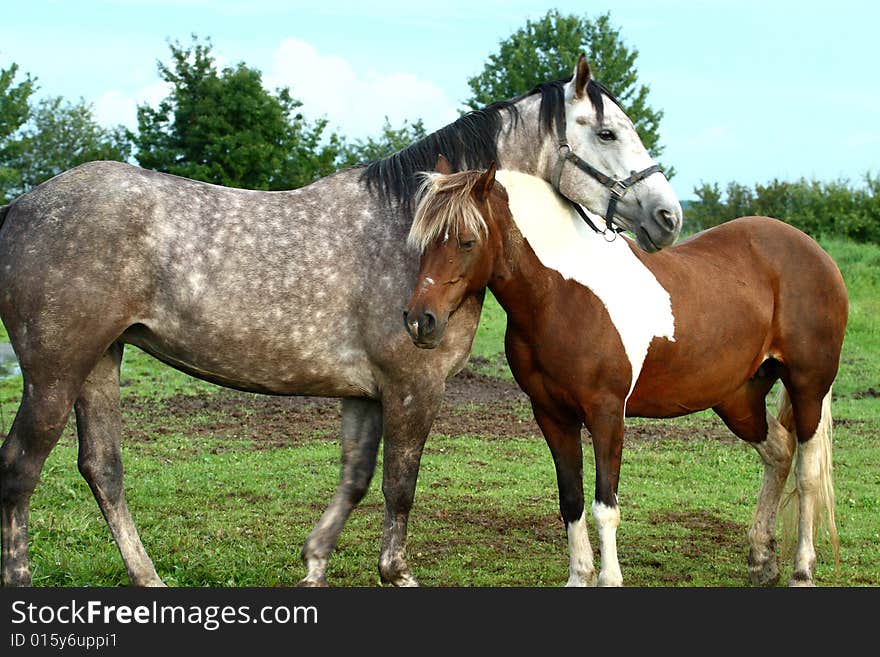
{"x": 225, "y": 486}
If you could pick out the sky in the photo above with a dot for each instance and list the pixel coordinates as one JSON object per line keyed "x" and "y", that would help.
{"x": 750, "y": 90}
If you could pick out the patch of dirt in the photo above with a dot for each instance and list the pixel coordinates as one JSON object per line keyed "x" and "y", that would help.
{"x": 871, "y": 392}
{"x": 475, "y": 404}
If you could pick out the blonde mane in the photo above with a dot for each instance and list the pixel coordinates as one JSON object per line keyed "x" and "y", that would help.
{"x": 445, "y": 207}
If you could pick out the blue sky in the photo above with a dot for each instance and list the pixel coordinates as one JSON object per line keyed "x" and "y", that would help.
{"x": 751, "y": 90}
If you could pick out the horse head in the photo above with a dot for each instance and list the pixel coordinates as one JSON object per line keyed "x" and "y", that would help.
{"x": 451, "y": 231}
{"x": 599, "y": 162}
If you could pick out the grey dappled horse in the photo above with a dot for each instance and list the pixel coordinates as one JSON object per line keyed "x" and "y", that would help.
{"x": 289, "y": 293}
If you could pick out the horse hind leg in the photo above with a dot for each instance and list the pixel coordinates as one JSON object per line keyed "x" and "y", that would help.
{"x": 814, "y": 479}
{"x": 99, "y": 423}
{"x": 776, "y": 452}
{"x": 745, "y": 414}
{"x": 41, "y": 417}
{"x": 360, "y": 436}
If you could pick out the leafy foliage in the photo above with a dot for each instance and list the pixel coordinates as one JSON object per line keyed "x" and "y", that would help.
{"x": 548, "y": 48}
{"x": 818, "y": 208}
{"x": 40, "y": 140}
{"x": 63, "y": 135}
{"x": 222, "y": 126}
{"x": 389, "y": 142}
{"x": 14, "y": 112}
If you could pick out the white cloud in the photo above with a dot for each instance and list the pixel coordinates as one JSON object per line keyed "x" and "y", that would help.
{"x": 355, "y": 102}
{"x": 115, "y": 107}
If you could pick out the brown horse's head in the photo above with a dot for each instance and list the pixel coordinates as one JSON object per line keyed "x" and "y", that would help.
{"x": 451, "y": 231}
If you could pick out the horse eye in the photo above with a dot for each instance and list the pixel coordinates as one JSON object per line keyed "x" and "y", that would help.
{"x": 466, "y": 245}
{"x": 607, "y": 135}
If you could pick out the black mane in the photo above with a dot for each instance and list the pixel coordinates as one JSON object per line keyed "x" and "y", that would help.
{"x": 470, "y": 142}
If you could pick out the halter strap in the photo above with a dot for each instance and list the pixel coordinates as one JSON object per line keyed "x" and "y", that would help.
{"x": 617, "y": 188}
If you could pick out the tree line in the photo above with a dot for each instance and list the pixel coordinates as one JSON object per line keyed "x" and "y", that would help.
{"x": 220, "y": 125}
{"x": 836, "y": 208}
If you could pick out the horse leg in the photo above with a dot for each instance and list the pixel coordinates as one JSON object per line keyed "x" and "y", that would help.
{"x": 606, "y": 427}
{"x": 745, "y": 414}
{"x": 41, "y": 417}
{"x": 564, "y": 440}
{"x": 407, "y": 418}
{"x": 776, "y": 452}
{"x": 99, "y": 427}
{"x": 815, "y": 489}
{"x": 360, "y": 435}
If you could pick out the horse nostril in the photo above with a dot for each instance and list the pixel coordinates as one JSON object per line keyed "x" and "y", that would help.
{"x": 428, "y": 324}
{"x": 666, "y": 219}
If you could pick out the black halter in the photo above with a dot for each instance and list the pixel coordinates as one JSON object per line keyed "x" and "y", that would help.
{"x": 618, "y": 188}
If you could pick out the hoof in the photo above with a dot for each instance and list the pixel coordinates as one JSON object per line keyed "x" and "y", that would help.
{"x": 312, "y": 583}
{"x": 763, "y": 568}
{"x": 801, "y": 580}
{"x": 148, "y": 580}
{"x": 401, "y": 580}
{"x": 406, "y": 581}
{"x": 610, "y": 580}
{"x": 396, "y": 572}
{"x": 582, "y": 580}
{"x": 16, "y": 575}
{"x": 766, "y": 574}
{"x": 765, "y": 578}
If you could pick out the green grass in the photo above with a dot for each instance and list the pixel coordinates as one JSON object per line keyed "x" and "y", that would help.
{"x": 486, "y": 512}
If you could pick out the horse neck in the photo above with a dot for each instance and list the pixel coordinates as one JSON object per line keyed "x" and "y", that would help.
{"x": 517, "y": 280}
{"x": 522, "y": 144}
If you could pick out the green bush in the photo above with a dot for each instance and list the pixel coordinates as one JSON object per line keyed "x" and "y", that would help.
{"x": 818, "y": 208}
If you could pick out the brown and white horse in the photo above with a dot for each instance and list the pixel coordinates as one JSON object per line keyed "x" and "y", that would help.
{"x": 599, "y": 330}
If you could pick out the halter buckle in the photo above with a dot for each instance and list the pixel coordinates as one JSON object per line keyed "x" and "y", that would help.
{"x": 618, "y": 188}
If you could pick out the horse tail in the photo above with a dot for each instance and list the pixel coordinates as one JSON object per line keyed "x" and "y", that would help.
{"x": 823, "y": 510}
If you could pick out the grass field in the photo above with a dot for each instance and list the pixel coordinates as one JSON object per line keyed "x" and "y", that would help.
{"x": 219, "y": 512}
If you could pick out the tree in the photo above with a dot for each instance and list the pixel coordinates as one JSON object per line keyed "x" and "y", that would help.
{"x": 390, "y": 141}
{"x": 14, "y": 112}
{"x": 224, "y": 127}
{"x": 547, "y": 49}
{"x": 61, "y": 135}
{"x": 38, "y": 141}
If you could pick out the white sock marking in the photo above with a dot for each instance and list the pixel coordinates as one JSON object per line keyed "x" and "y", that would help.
{"x": 581, "y": 571}
{"x": 607, "y": 519}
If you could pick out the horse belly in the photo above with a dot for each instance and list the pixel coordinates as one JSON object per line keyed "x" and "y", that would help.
{"x": 296, "y": 363}
{"x": 677, "y": 380}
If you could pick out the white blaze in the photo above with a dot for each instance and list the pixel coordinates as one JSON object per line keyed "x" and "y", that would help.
{"x": 639, "y": 307}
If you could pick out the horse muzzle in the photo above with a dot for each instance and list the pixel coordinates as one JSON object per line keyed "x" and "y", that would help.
{"x": 659, "y": 229}
{"x": 424, "y": 328}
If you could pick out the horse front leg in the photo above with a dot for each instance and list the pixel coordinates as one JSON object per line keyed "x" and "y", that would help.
{"x": 408, "y": 414}
{"x": 606, "y": 427}
{"x": 563, "y": 437}
{"x": 360, "y": 436}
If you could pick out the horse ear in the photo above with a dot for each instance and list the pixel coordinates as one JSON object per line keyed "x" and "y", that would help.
{"x": 581, "y": 76}
{"x": 484, "y": 184}
{"x": 443, "y": 166}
